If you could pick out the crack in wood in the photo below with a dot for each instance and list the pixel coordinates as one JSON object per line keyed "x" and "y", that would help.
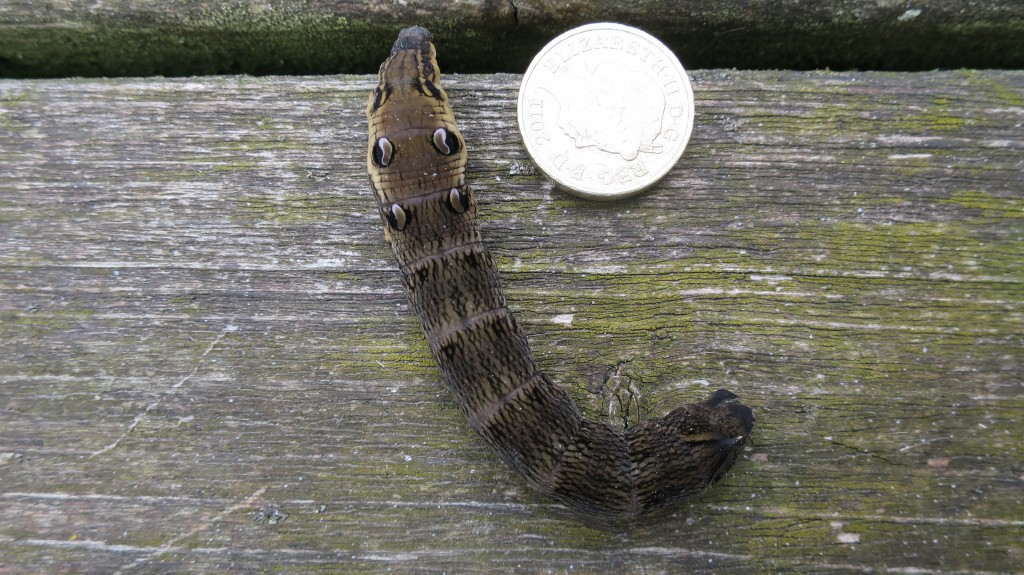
{"x": 153, "y": 405}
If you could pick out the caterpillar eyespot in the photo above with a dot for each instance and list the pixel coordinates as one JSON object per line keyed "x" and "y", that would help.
{"x": 458, "y": 201}
{"x": 382, "y": 153}
{"x": 397, "y": 217}
{"x": 484, "y": 357}
{"x": 445, "y": 142}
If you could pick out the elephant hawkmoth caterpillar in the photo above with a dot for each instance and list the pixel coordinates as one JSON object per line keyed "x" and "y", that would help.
{"x": 416, "y": 158}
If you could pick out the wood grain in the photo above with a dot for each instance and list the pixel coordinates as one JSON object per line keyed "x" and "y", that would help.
{"x": 208, "y": 364}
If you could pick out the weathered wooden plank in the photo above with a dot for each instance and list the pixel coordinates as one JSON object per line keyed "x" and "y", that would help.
{"x": 208, "y": 365}
{"x": 64, "y": 38}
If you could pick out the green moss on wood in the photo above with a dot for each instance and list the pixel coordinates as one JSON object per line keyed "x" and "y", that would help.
{"x": 986, "y": 205}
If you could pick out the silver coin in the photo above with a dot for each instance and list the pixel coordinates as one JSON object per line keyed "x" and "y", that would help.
{"x": 605, "y": 110}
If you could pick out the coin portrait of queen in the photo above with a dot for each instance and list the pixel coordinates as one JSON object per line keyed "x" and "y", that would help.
{"x": 611, "y": 107}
